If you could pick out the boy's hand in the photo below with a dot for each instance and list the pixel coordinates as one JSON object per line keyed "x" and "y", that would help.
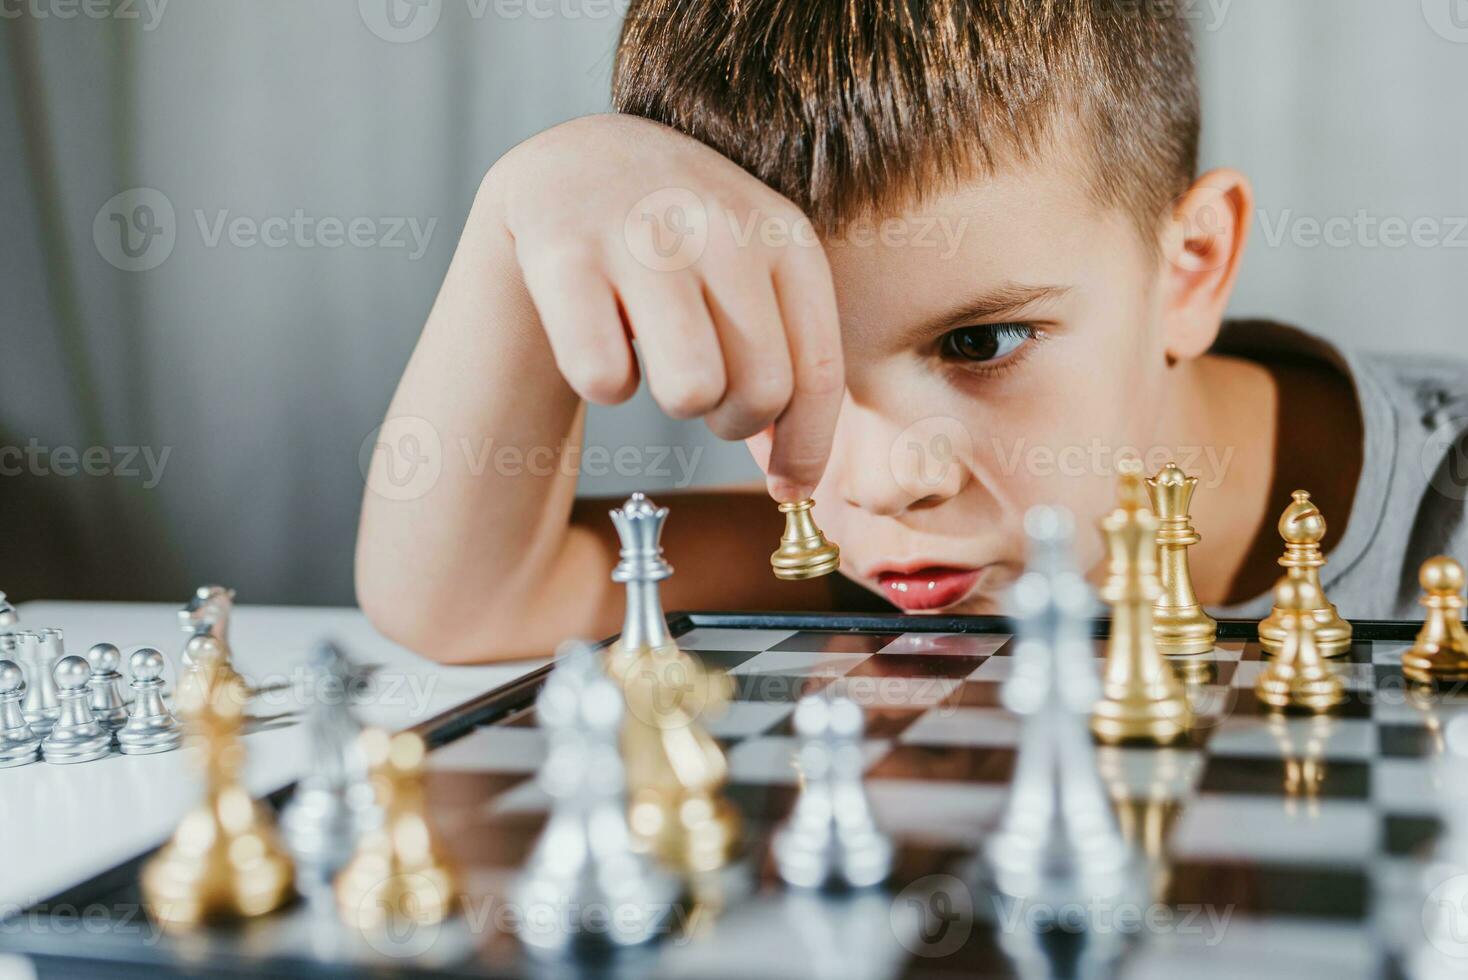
{"x": 625, "y": 229}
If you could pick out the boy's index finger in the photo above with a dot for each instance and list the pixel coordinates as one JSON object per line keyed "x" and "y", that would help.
{"x": 803, "y": 434}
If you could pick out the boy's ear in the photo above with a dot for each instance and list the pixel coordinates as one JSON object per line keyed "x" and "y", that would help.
{"x": 1203, "y": 246}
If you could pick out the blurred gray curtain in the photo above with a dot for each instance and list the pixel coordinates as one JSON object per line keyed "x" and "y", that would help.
{"x": 260, "y": 370}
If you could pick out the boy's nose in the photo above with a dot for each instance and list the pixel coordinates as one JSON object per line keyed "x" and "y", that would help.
{"x": 890, "y": 469}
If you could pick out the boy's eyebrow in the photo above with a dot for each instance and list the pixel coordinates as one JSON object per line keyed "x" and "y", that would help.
{"x": 997, "y": 303}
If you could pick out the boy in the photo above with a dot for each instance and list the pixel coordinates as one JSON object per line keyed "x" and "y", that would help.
{"x": 759, "y": 216}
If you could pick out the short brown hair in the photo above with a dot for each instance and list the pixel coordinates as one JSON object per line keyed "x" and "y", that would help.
{"x": 853, "y": 107}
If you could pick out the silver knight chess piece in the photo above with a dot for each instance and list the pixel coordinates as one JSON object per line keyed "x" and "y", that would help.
{"x": 1057, "y": 843}
{"x": 150, "y": 727}
{"x": 19, "y": 746}
{"x": 108, "y": 705}
{"x": 831, "y": 837}
{"x": 76, "y": 736}
{"x": 9, "y": 618}
{"x": 333, "y": 803}
{"x": 585, "y": 885}
{"x": 38, "y": 654}
{"x": 208, "y": 611}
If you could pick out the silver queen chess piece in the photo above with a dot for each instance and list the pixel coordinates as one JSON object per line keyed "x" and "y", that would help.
{"x": 150, "y": 727}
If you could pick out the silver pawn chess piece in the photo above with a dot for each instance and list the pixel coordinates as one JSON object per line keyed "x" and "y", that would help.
{"x": 831, "y": 838}
{"x": 334, "y": 802}
{"x": 19, "y": 746}
{"x": 1057, "y": 844}
{"x": 38, "y": 660}
{"x": 9, "y": 618}
{"x": 108, "y": 705}
{"x": 639, "y": 524}
{"x": 584, "y": 885}
{"x": 150, "y": 727}
{"x": 76, "y": 736}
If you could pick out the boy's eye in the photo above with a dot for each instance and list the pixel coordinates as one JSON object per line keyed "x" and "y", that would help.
{"x": 991, "y": 342}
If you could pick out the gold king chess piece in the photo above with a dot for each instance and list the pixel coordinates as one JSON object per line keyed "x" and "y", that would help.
{"x": 1141, "y": 696}
{"x": 1441, "y": 650}
{"x": 804, "y": 551}
{"x": 1298, "y": 676}
{"x": 675, "y": 771}
{"x": 397, "y": 874}
{"x": 224, "y": 861}
{"x": 1303, "y": 528}
{"x": 1178, "y": 620}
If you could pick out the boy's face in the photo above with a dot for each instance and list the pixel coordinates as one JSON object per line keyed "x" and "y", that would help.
{"x": 1004, "y": 346}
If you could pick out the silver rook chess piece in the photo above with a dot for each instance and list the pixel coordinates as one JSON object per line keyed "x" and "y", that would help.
{"x": 334, "y": 803}
{"x": 831, "y": 837}
{"x": 19, "y": 745}
{"x": 37, "y": 658}
{"x": 150, "y": 727}
{"x": 108, "y": 705}
{"x": 584, "y": 885}
{"x": 1057, "y": 843}
{"x": 76, "y": 736}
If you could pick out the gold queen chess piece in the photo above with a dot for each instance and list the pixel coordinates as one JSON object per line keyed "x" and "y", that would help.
{"x": 1298, "y": 676}
{"x": 1441, "y": 650}
{"x": 1141, "y": 696}
{"x": 804, "y": 552}
{"x": 1178, "y": 620}
{"x": 675, "y": 770}
{"x": 1303, "y": 528}
{"x": 224, "y": 861}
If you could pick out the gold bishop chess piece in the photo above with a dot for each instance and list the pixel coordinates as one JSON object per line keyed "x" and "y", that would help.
{"x": 1178, "y": 621}
{"x": 224, "y": 861}
{"x": 1441, "y": 650}
{"x": 397, "y": 873}
{"x": 1298, "y": 676}
{"x": 676, "y": 772}
{"x": 804, "y": 552}
{"x": 1141, "y": 696}
{"x": 1303, "y": 528}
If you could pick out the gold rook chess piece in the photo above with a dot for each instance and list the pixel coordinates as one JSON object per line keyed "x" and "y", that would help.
{"x": 1303, "y": 528}
{"x": 1141, "y": 697}
{"x": 397, "y": 875}
{"x": 804, "y": 551}
{"x": 1441, "y": 650}
{"x": 1178, "y": 620}
{"x": 1298, "y": 676}
{"x": 224, "y": 861}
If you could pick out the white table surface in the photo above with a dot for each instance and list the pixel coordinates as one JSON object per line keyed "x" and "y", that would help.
{"x": 61, "y": 825}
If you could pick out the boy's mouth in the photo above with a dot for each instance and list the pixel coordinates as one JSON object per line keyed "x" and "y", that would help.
{"x": 928, "y": 587}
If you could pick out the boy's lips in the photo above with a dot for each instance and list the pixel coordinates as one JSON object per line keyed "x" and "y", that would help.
{"x": 927, "y": 587}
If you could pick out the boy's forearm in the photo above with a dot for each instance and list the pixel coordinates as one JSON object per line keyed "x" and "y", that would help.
{"x": 442, "y": 567}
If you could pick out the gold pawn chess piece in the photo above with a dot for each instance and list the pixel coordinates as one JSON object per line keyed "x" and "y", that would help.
{"x": 676, "y": 772}
{"x": 804, "y": 551}
{"x": 224, "y": 861}
{"x": 1303, "y": 528}
{"x": 1441, "y": 650}
{"x": 1178, "y": 620}
{"x": 397, "y": 874}
{"x": 1298, "y": 676}
{"x": 1141, "y": 696}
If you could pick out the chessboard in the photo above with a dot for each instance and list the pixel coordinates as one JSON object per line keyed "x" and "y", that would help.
{"x": 1277, "y": 845}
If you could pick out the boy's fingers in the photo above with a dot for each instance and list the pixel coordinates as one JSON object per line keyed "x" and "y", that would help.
{"x": 804, "y": 431}
{"x": 578, "y": 310}
{"x": 676, "y": 338}
{"x": 756, "y": 356}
